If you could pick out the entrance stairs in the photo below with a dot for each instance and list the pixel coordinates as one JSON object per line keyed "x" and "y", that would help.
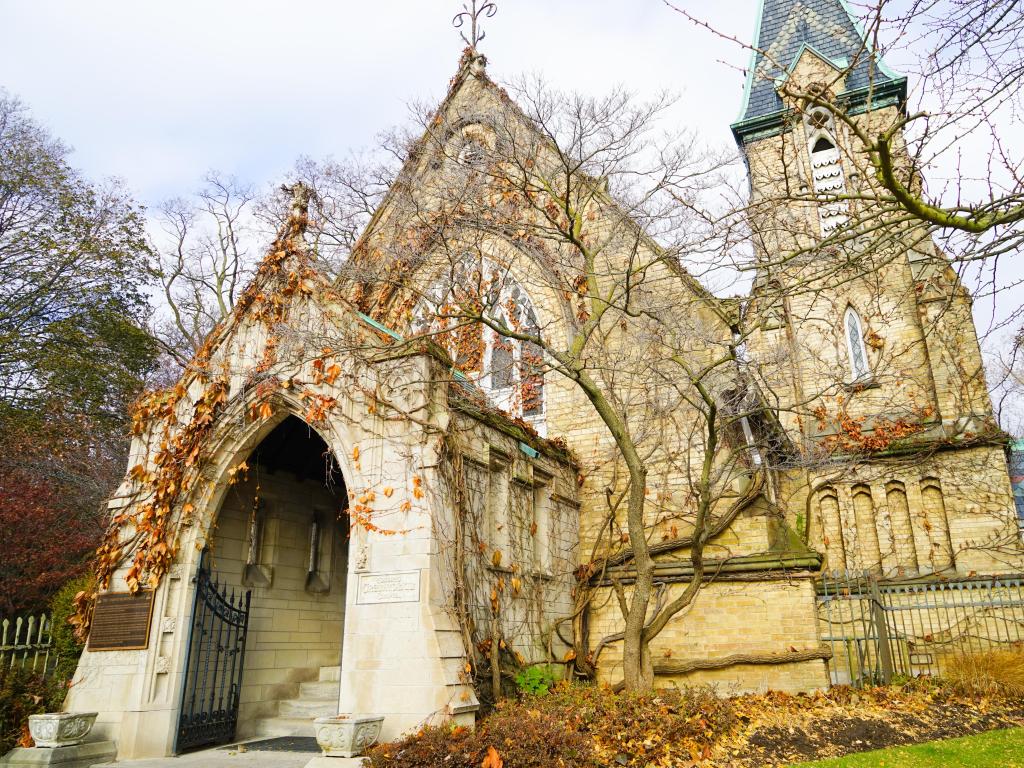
{"x": 317, "y": 698}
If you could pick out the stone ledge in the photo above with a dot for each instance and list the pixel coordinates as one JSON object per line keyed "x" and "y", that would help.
{"x": 76, "y": 756}
{"x": 338, "y": 762}
{"x": 766, "y": 566}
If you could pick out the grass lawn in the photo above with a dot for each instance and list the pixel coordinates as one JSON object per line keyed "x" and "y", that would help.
{"x": 995, "y": 749}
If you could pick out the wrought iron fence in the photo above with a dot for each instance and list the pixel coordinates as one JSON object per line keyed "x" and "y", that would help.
{"x": 878, "y": 630}
{"x": 26, "y": 642}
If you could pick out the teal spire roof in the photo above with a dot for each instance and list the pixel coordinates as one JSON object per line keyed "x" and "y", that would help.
{"x": 784, "y": 29}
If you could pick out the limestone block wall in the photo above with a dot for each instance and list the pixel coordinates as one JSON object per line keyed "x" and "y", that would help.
{"x": 755, "y": 617}
{"x": 293, "y": 628}
{"x": 407, "y": 658}
{"x": 520, "y": 524}
{"x": 136, "y": 692}
{"x": 948, "y": 512}
{"x": 923, "y": 351}
{"x": 804, "y": 358}
{"x": 632, "y": 356}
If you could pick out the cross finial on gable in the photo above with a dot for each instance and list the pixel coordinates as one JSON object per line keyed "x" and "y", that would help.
{"x": 473, "y": 12}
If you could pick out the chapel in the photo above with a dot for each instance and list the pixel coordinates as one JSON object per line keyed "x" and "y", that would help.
{"x": 386, "y": 492}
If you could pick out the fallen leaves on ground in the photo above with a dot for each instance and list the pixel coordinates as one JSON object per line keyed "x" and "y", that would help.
{"x": 778, "y": 729}
{"x": 589, "y": 725}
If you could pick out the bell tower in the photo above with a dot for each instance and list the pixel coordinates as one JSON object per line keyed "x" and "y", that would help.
{"x": 866, "y": 315}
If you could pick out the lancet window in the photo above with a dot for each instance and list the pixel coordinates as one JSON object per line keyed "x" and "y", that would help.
{"x": 854, "y": 332}
{"x": 508, "y": 370}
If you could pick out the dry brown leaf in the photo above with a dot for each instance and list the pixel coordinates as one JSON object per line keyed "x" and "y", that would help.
{"x": 493, "y": 759}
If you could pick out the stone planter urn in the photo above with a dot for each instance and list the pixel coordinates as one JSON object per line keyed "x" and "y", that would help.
{"x": 347, "y": 735}
{"x": 60, "y": 729}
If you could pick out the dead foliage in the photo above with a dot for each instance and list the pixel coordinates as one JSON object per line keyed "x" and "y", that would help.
{"x": 590, "y": 726}
{"x": 999, "y": 671}
{"x": 574, "y": 725}
{"x": 778, "y": 729}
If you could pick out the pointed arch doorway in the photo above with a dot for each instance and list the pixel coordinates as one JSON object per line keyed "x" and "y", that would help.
{"x": 281, "y": 534}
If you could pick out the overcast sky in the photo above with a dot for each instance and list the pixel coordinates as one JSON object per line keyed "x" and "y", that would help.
{"x": 159, "y": 92}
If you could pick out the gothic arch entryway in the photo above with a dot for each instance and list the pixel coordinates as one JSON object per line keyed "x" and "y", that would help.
{"x": 281, "y": 533}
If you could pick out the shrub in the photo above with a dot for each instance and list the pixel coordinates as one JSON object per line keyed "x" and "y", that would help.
{"x": 22, "y": 693}
{"x": 574, "y": 725}
{"x": 66, "y": 646}
{"x": 522, "y": 739}
{"x": 535, "y": 680}
{"x": 999, "y": 671}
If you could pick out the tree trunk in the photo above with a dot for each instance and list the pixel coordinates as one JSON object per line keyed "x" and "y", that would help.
{"x": 637, "y": 669}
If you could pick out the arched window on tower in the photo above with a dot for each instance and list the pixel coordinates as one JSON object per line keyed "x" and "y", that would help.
{"x": 509, "y": 371}
{"x": 854, "y": 331}
{"x": 826, "y": 168}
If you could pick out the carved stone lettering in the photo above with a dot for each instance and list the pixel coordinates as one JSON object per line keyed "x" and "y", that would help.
{"x": 394, "y": 587}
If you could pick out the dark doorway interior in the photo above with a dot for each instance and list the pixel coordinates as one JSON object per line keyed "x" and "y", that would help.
{"x": 282, "y": 533}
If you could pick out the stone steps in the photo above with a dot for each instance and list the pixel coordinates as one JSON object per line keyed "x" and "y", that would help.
{"x": 285, "y": 726}
{"x": 317, "y": 698}
{"x": 320, "y": 689}
{"x": 308, "y": 707}
{"x": 330, "y": 674}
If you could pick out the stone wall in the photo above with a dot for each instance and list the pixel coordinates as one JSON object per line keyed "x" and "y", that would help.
{"x": 925, "y": 362}
{"x": 771, "y": 616}
{"x": 521, "y": 528}
{"x": 947, "y": 512}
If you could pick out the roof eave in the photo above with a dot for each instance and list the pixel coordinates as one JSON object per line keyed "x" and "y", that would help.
{"x": 857, "y": 101}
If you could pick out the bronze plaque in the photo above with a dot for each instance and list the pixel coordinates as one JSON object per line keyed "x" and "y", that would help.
{"x": 120, "y": 621}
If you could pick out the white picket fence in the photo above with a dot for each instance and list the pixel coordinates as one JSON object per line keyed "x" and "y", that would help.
{"x": 26, "y": 642}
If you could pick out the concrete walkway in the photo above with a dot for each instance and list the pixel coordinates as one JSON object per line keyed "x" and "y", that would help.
{"x": 220, "y": 757}
{"x": 240, "y": 758}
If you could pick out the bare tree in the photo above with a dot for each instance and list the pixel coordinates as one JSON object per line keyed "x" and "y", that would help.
{"x": 207, "y": 251}
{"x": 205, "y": 262}
{"x": 541, "y": 243}
{"x": 1006, "y": 379}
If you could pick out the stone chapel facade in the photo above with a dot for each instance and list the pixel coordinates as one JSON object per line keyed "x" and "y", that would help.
{"x": 403, "y": 519}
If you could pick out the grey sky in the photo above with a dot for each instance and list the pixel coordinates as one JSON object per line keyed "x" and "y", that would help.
{"x": 159, "y": 92}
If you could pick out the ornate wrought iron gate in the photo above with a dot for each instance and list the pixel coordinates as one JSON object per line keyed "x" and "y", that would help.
{"x": 213, "y": 670}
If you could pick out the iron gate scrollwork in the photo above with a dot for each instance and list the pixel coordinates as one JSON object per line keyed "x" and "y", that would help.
{"x": 213, "y": 670}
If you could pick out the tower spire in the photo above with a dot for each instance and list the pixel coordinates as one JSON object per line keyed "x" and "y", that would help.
{"x": 472, "y": 13}
{"x": 784, "y": 29}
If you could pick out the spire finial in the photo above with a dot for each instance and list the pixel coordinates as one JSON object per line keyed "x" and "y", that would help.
{"x": 474, "y": 12}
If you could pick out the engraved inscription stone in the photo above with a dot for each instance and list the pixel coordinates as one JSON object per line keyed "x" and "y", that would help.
{"x": 120, "y": 621}
{"x": 395, "y": 587}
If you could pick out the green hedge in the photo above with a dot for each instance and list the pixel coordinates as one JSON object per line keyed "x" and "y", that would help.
{"x": 24, "y": 693}
{"x": 65, "y": 645}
